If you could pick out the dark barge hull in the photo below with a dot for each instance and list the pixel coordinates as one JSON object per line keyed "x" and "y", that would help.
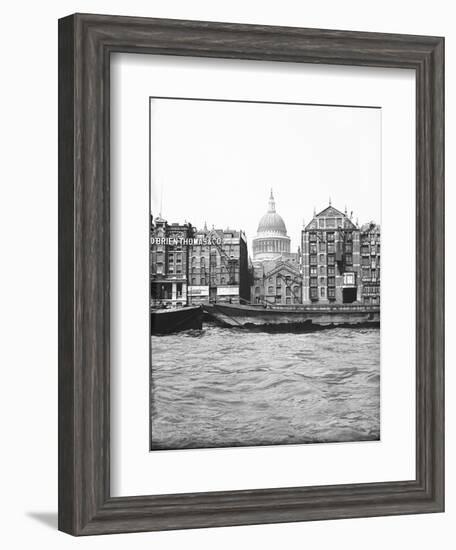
{"x": 167, "y": 321}
{"x": 303, "y": 318}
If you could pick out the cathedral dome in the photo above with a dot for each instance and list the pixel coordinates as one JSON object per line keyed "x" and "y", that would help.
{"x": 271, "y": 222}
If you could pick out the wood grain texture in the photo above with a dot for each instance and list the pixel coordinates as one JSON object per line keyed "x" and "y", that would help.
{"x": 85, "y": 45}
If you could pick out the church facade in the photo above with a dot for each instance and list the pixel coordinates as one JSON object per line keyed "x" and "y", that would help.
{"x": 276, "y": 271}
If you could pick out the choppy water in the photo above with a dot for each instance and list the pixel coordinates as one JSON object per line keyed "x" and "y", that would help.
{"x": 227, "y": 387}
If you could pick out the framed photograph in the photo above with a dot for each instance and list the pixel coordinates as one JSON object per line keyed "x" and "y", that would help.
{"x": 251, "y": 274}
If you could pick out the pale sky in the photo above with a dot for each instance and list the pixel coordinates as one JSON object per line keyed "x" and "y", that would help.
{"x": 216, "y": 162}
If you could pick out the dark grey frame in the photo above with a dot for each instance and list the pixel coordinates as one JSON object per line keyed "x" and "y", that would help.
{"x": 85, "y": 504}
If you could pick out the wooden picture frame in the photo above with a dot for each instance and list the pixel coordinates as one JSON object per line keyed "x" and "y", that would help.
{"x": 85, "y": 45}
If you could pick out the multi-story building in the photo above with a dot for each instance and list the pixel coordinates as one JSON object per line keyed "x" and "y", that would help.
{"x": 188, "y": 266}
{"x": 218, "y": 267}
{"x": 169, "y": 245}
{"x": 370, "y": 263}
{"x": 331, "y": 259}
{"x": 277, "y": 282}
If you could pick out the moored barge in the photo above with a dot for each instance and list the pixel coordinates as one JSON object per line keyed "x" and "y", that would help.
{"x": 302, "y": 317}
{"x": 167, "y": 321}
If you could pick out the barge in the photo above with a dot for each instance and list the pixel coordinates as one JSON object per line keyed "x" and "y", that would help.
{"x": 300, "y": 317}
{"x": 167, "y": 321}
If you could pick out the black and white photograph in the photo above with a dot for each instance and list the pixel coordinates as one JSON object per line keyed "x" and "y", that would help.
{"x": 265, "y": 246}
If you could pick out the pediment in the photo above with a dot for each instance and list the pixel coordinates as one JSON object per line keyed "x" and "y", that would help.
{"x": 330, "y": 212}
{"x": 283, "y": 267}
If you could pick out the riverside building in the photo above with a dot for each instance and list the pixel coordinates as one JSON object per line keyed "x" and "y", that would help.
{"x": 169, "y": 263}
{"x": 370, "y": 263}
{"x": 190, "y": 266}
{"x": 331, "y": 259}
{"x": 218, "y": 267}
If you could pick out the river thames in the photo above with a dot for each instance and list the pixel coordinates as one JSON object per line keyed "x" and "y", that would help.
{"x": 223, "y": 387}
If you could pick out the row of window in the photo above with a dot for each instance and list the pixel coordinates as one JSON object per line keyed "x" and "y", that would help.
{"x": 314, "y": 281}
{"x": 203, "y": 281}
{"x": 330, "y": 236}
{"x": 330, "y": 270}
{"x": 314, "y": 293}
{"x": 288, "y": 291}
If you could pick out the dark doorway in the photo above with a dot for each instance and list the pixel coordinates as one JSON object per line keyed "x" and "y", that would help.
{"x": 348, "y": 295}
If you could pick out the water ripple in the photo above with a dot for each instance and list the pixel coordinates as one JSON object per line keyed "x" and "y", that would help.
{"x": 225, "y": 387}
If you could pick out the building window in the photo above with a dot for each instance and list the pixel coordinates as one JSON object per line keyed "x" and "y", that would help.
{"x": 313, "y": 270}
{"x": 365, "y": 261}
{"x": 193, "y": 281}
{"x": 349, "y": 279}
{"x": 322, "y": 258}
{"x": 270, "y": 290}
{"x": 348, "y": 259}
{"x": 171, "y": 259}
{"x": 330, "y": 222}
{"x": 322, "y": 291}
{"x": 321, "y": 246}
{"x": 179, "y": 258}
{"x": 257, "y": 290}
{"x": 348, "y": 247}
{"x": 322, "y": 270}
{"x": 314, "y": 293}
{"x": 288, "y": 291}
{"x": 331, "y": 270}
{"x": 331, "y": 260}
{"x": 223, "y": 281}
{"x": 330, "y": 237}
{"x": 288, "y": 300}
{"x": 331, "y": 281}
{"x": 331, "y": 248}
{"x": 313, "y": 248}
{"x": 313, "y": 281}
{"x": 339, "y": 222}
{"x": 321, "y": 222}
{"x": 313, "y": 260}
{"x": 312, "y": 237}
{"x": 332, "y": 293}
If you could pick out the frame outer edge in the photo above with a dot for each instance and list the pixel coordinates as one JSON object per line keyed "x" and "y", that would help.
{"x": 84, "y": 502}
{"x": 66, "y": 168}
{"x": 438, "y": 224}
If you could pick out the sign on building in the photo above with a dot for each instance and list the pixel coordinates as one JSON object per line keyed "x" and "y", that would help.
{"x": 228, "y": 291}
{"x": 198, "y": 291}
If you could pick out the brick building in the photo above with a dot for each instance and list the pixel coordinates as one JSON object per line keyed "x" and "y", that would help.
{"x": 331, "y": 259}
{"x": 218, "y": 267}
{"x": 370, "y": 263}
{"x": 169, "y": 263}
{"x": 277, "y": 282}
{"x": 188, "y": 266}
